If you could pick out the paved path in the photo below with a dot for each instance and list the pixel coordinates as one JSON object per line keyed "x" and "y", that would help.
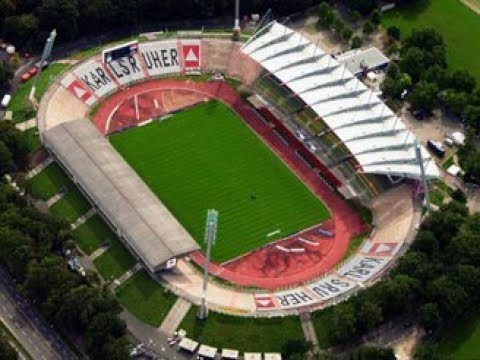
{"x": 127, "y": 275}
{"x": 55, "y": 198}
{"x": 82, "y": 219}
{"x": 28, "y": 124}
{"x": 152, "y": 338}
{"x": 39, "y": 167}
{"x": 175, "y": 316}
{"x": 97, "y": 253}
{"x": 309, "y": 330}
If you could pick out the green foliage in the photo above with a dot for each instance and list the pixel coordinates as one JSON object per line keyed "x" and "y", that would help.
{"x": 434, "y": 283}
{"x": 368, "y": 27}
{"x": 393, "y": 32}
{"x": 6, "y": 74}
{"x": 357, "y": 42}
{"x": 7, "y": 352}
{"x": 424, "y": 96}
{"x": 253, "y": 180}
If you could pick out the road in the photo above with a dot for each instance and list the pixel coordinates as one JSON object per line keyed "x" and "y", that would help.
{"x": 31, "y": 330}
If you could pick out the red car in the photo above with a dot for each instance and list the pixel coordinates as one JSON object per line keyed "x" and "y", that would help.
{"x": 29, "y": 74}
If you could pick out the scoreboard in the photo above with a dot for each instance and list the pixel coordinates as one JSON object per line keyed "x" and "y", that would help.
{"x": 120, "y": 51}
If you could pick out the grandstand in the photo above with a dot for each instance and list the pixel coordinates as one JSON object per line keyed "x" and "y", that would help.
{"x": 343, "y": 122}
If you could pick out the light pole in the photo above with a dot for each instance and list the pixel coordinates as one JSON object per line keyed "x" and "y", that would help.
{"x": 236, "y": 25}
{"x": 47, "y": 51}
{"x": 418, "y": 151}
{"x": 210, "y": 237}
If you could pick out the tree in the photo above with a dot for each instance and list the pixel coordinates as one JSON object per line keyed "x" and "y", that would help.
{"x": 429, "y": 316}
{"x": 469, "y": 159}
{"x": 424, "y": 96}
{"x": 369, "y": 315}
{"x": 365, "y": 7}
{"x": 455, "y": 101}
{"x": 393, "y": 32}
{"x": 472, "y": 117}
{"x": 326, "y": 15}
{"x": 18, "y": 29}
{"x": 426, "y": 243}
{"x": 6, "y": 159}
{"x": 6, "y": 74}
{"x": 293, "y": 348}
{"x": 461, "y": 81}
{"x": 376, "y": 17}
{"x": 357, "y": 42}
{"x": 7, "y": 352}
{"x": 347, "y": 34}
{"x": 368, "y": 27}
{"x": 343, "y": 325}
{"x": 413, "y": 63}
{"x": 338, "y": 25}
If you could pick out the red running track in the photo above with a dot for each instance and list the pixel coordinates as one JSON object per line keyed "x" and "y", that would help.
{"x": 268, "y": 267}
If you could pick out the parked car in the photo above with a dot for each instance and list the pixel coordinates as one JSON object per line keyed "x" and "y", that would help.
{"x": 436, "y": 148}
{"x": 448, "y": 141}
{"x": 6, "y": 100}
{"x": 25, "y": 77}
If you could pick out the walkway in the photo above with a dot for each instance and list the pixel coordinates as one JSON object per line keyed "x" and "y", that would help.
{"x": 37, "y": 169}
{"x": 309, "y": 330}
{"x": 82, "y": 219}
{"x": 28, "y": 124}
{"x": 97, "y": 253}
{"x": 175, "y": 316}
{"x": 55, "y": 198}
{"x": 127, "y": 275}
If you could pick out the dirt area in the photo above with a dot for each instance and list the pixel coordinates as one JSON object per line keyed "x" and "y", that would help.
{"x": 433, "y": 128}
{"x": 474, "y": 5}
{"x": 405, "y": 347}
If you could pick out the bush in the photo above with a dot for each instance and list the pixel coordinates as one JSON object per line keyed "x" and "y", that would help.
{"x": 393, "y": 32}
{"x": 368, "y": 27}
{"x": 357, "y": 42}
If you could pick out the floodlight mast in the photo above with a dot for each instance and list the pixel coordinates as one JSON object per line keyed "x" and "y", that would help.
{"x": 236, "y": 24}
{"x": 210, "y": 237}
{"x": 418, "y": 151}
{"x": 47, "y": 51}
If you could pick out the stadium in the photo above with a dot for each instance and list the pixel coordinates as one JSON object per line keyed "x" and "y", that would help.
{"x": 277, "y": 135}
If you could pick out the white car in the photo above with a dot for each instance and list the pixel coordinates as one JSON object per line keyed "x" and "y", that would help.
{"x": 6, "y": 100}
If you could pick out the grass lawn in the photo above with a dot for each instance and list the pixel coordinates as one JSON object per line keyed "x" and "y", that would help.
{"x": 146, "y": 299}
{"x": 91, "y": 234}
{"x": 71, "y": 206}
{"x": 449, "y": 162}
{"x": 243, "y": 334}
{"x": 22, "y": 110}
{"x": 47, "y": 183}
{"x": 462, "y": 340}
{"x": 206, "y": 157}
{"x": 32, "y": 139}
{"x": 115, "y": 261}
{"x": 456, "y": 22}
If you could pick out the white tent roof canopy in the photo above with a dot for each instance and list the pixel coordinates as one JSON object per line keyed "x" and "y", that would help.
{"x": 207, "y": 351}
{"x": 371, "y": 131}
{"x": 229, "y": 354}
{"x": 188, "y": 344}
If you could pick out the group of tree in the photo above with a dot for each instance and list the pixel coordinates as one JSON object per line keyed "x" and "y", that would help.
{"x": 366, "y": 7}
{"x": 32, "y": 244}
{"x": 423, "y": 73}
{"x": 7, "y": 351}
{"x": 27, "y": 23}
{"x": 6, "y": 74}
{"x": 329, "y": 18}
{"x": 434, "y": 284}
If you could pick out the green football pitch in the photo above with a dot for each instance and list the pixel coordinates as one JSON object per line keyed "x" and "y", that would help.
{"x": 206, "y": 157}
